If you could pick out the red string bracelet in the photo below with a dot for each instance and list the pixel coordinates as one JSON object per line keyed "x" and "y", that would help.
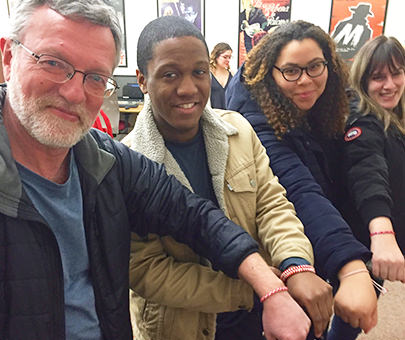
{"x": 272, "y": 292}
{"x": 296, "y": 269}
{"x": 382, "y": 232}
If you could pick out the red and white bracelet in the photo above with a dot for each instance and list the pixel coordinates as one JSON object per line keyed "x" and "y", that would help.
{"x": 272, "y": 292}
{"x": 382, "y": 232}
{"x": 296, "y": 269}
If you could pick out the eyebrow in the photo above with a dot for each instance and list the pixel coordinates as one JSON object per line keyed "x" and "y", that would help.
{"x": 310, "y": 62}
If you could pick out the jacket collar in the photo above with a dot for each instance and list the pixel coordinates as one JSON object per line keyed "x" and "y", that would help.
{"x": 146, "y": 139}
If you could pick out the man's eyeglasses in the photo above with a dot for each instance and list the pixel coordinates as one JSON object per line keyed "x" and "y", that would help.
{"x": 60, "y": 71}
{"x": 293, "y": 73}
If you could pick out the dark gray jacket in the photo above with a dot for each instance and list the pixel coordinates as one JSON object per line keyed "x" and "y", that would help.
{"x": 122, "y": 191}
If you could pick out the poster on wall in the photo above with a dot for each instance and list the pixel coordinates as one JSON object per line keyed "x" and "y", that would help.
{"x": 256, "y": 17}
{"x": 120, "y": 8}
{"x": 355, "y": 22}
{"x": 191, "y": 10}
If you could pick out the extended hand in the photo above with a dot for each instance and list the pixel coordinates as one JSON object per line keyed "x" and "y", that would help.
{"x": 388, "y": 260}
{"x": 356, "y": 301}
{"x": 315, "y": 295}
{"x": 284, "y": 319}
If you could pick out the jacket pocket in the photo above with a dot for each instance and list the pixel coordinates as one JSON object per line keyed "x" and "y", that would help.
{"x": 240, "y": 195}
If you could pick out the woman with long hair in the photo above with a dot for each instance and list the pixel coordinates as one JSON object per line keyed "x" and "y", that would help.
{"x": 220, "y": 73}
{"x": 374, "y": 154}
{"x": 292, "y": 90}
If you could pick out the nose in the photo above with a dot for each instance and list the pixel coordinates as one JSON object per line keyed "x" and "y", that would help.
{"x": 73, "y": 90}
{"x": 304, "y": 77}
{"x": 389, "y": 82}
{"x": 187, "y": 86}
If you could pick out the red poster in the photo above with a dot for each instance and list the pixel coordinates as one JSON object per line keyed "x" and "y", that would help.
{"x": 355, "y": 22}
{"x": 256, "y": 17}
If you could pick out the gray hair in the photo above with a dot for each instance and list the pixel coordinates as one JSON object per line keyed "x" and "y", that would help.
{"x": 97, "y": 12}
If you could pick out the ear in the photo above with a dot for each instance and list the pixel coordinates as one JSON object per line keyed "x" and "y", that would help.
{"x": 6, "y": 45}
{"x": 142, "y": 81}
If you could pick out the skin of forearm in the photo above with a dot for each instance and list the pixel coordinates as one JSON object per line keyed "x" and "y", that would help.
{"x": 255, "y": 271}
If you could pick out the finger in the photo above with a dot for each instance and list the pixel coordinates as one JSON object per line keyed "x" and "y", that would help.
{"x": 402, "y": 276}
{"x": 366, "y": 324}
{"x": 384, "y": 268}
{"x": 395, "y": 273}
{"x": 317, "y": 319}
{"x": 326, "y": 311}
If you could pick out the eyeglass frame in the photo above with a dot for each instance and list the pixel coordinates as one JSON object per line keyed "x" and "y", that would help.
{"x": 302, "y": 69}
{"x": 71, "y": 75}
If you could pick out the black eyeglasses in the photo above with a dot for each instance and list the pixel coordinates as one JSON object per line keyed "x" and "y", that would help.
{"x": 293, "y": 73}
{"x": 60, "y": 71}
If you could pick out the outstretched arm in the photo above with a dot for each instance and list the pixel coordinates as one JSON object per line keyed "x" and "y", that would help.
{"x": 355, "y": 300}
{"x": 283, "y": 318}
{"x": 177, "y": 280}
{"x": 367, "y": 171}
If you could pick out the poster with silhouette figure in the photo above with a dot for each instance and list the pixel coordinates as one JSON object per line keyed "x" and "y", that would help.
{"x": 256, "y": 18}
{"x": 355, "y": 22}
{"x": 191, "y": 10}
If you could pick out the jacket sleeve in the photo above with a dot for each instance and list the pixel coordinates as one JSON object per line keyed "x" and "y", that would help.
{"x": 159, "y": 277}
{"x": 278, "y": 229}
{"x": 332, "y": 240}
{"x": 366, "y": 168}
{"x": 158, "y": 203}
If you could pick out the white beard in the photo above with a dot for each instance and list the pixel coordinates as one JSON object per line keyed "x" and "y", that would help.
{"x": 45, "y": 127}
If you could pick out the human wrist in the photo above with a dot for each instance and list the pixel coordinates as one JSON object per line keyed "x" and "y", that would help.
{"x": 290, "y": 271}
{"x": 255, "y": 271}
{"x": 382, "y": 232}
{"x": 351, "y": 266}
{"x": 273, "y": 292}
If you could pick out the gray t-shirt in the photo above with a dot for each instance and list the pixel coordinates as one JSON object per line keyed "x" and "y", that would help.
{"x": 61, "y": 206}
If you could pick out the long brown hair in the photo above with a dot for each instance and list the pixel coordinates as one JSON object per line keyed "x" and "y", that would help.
{"x": 327, "y": 117}
{"x": 373, "y": 56}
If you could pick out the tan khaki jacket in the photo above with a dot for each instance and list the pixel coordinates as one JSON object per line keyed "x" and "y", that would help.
{"x": 181, "y": 293}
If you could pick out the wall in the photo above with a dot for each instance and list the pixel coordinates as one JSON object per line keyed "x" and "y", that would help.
{"x": 221, "y": 22}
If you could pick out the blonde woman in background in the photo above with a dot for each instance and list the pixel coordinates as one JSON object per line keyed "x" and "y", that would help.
{"x": 220, "y": 74}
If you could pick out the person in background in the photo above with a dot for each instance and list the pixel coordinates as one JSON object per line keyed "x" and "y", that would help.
{"x": 292, "y": 90}
{"x": 103, "y": 123}
{"x": 69, "y": 197}
{"x": 374, "y": 159}
{"x": 1, "y": 72}
{"x": 217, "y": 155}
{"x": 221, "y": 75}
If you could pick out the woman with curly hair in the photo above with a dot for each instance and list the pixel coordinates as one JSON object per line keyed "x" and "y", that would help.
{"x": 220, "y": 73}
{"x": 292, "y": 90}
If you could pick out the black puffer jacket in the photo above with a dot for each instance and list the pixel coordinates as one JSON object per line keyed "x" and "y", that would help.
{"x": 375, "y": 170}
{"x": 122, "y": 192}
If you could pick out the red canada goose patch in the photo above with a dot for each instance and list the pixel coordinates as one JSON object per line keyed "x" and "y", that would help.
{"x": 352, "y": 134}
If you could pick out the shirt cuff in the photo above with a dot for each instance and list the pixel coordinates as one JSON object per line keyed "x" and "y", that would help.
{"x": 292, "y": 261}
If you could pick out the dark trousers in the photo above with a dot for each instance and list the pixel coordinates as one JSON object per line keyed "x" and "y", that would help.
{"x": 250, "y": 328}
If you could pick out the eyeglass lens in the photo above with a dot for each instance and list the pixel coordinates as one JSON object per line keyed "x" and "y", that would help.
{"x": 60, "y": 71}
{"x": 295, "y": 72}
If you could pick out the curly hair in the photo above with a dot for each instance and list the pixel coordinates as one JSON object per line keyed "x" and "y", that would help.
{"x": 373, "y": 56}
{"x": 217, "y": 51}
{"x": 328, "y": 115}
